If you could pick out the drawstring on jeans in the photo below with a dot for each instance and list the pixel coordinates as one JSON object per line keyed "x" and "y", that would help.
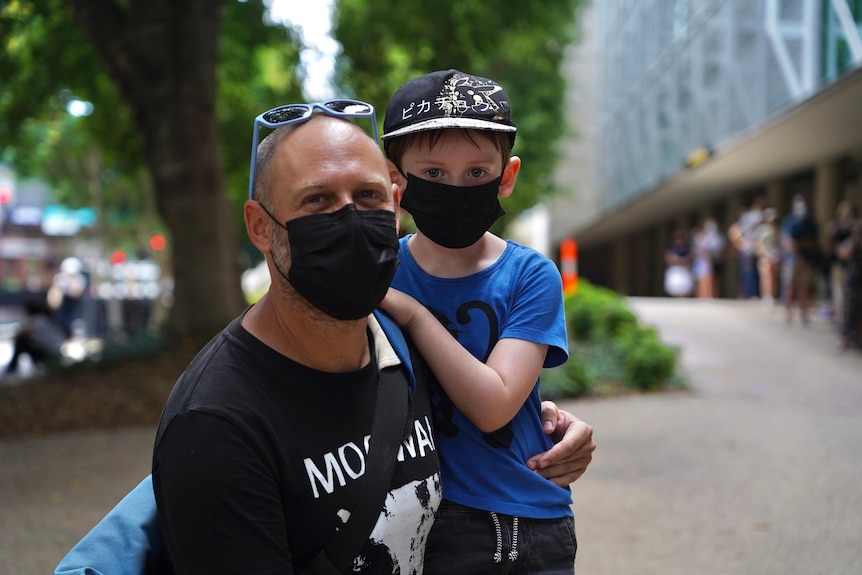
{"x": 513, "y": 554}
{"x": 498, "y": 554}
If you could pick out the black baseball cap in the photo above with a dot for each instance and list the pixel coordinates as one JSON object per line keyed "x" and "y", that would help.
{"x": 448, "y": 99}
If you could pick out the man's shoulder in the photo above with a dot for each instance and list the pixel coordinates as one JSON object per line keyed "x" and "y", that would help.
{"x": 211, "y": 378}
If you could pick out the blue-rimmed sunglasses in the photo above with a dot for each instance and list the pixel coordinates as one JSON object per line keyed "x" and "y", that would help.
{"x": 296, "y": 113}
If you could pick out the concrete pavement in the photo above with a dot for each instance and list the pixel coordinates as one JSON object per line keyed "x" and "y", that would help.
{"x": 757, "y": 470}
{"x": 754, "y": 470}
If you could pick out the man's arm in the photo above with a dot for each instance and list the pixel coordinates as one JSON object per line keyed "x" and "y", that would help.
{"x": 573, "y": 452}
{"x": 219, "y": 506}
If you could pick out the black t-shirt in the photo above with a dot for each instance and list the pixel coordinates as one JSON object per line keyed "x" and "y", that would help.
{"x": 258, "y": 459}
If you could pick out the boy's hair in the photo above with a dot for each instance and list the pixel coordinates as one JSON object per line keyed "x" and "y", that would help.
{"x": 396, "y": 147}
{"x": 448, "y": 99}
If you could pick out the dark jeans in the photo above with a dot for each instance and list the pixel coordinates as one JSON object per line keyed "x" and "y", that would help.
{"x": 748, "y": 276}
{"x": 468, "y": 541}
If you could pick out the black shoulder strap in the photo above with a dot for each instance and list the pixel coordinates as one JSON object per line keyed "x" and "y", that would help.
{"x": 387, "y": 434}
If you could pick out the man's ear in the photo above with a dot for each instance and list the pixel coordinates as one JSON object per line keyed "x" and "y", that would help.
{"x": 257, "y": 226}
{"x": 510, "y": 175}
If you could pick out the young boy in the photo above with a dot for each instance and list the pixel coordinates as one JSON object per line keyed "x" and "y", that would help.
{"x": 449, "y": 136}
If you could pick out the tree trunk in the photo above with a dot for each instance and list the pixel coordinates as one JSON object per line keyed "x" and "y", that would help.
{"x": 162, "y": 56}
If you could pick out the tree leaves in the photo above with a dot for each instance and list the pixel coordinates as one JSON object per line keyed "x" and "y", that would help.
{"x": 518, "y": 44}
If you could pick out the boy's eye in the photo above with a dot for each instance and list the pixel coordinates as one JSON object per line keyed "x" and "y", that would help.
{"x": 477, "y": 172}
{"x": 433, "y": 172}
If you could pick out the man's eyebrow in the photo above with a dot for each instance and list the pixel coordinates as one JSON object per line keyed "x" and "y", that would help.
{"x": 312, "y": 187}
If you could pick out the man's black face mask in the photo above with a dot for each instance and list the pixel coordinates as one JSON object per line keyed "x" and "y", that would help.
{"x": 342, "y": 262}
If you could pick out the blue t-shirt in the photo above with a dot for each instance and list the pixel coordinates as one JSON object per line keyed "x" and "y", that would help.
{"x": 519, "y": 296}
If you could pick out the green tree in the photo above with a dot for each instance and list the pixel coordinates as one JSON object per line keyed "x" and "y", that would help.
{"x": 519, "y": 44}
{"x": 174, "y": 84}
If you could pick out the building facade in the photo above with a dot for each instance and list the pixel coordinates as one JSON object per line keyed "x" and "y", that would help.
{"x": 685, "y": 109}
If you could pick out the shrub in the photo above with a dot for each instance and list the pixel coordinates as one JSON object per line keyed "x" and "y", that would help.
{"x": 607, "y": 348}
{"x": 572, "y": 379}
{"x": 594, "y": 312}
{"x": 649, "y": 364}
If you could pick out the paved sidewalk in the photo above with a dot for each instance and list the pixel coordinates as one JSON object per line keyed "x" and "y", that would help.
{"x": 54, "y": 489}
{"x": 755, "y": 470}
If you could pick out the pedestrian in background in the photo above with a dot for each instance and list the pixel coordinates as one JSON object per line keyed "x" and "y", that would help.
{"x": 850, "y": 252}
{"x": 703, "y": 266}
{"x": 838, "y": 230}
{"x": 66, "y": 293}
{"x": 678, "y": 279}
{"x": 39, "y": 336}
{"x": 800, "y": 238}
{"x": 767, "y": 250}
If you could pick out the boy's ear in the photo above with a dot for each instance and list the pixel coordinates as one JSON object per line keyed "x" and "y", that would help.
{"x": 257, "y": 226}
{"x": 398, "y": 184}
{"x": 397, "y": 178}
{"x": 510, "y": 175}
{"x": 396, "y": 194}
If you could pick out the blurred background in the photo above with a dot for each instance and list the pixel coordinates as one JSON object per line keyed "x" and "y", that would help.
{"x": 667, "y": 145}
{"x": 124, "y": 143}
{"x": 691, "y": 111}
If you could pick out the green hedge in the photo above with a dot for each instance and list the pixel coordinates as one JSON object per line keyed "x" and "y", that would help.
{"x": 609, "y": 349}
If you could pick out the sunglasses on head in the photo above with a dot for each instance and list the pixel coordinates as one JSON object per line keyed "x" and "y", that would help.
{"x": 298, "y": 113}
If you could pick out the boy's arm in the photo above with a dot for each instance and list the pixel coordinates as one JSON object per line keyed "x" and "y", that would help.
{"x": 497, "y": 389}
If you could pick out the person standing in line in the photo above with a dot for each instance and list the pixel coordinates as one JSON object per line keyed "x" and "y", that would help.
{"x": 766, "y": 247}
{"x": 679, "y": 256}
{"x": 838, "y": 231}
{"x": 706, "y": 246}
{"x": 701, "y": 266}
{"x": 850, "y": 252}
{"x": 714, "y": 243}
{"x": 487, "y": 316}
{"x": 788, "y": 255}
{"x": 741, "y": 236}
{"x": 800, "y": 238}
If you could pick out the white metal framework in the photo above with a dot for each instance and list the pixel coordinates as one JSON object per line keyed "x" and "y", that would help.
{"x": 683, "y": 75}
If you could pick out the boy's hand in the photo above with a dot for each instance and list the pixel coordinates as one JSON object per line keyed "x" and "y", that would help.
{"x": 570, "y": 457}
{"x": 400, "y": 306}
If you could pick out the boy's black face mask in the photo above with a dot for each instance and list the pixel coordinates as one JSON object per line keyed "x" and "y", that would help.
{"x": 342, "y": 262}
{"x": 452, "y": 216}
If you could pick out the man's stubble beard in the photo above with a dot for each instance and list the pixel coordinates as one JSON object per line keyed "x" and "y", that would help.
{"x": 280, "y": 245}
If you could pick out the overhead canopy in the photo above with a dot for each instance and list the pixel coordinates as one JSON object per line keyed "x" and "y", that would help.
{"x": 824, "y": 127}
